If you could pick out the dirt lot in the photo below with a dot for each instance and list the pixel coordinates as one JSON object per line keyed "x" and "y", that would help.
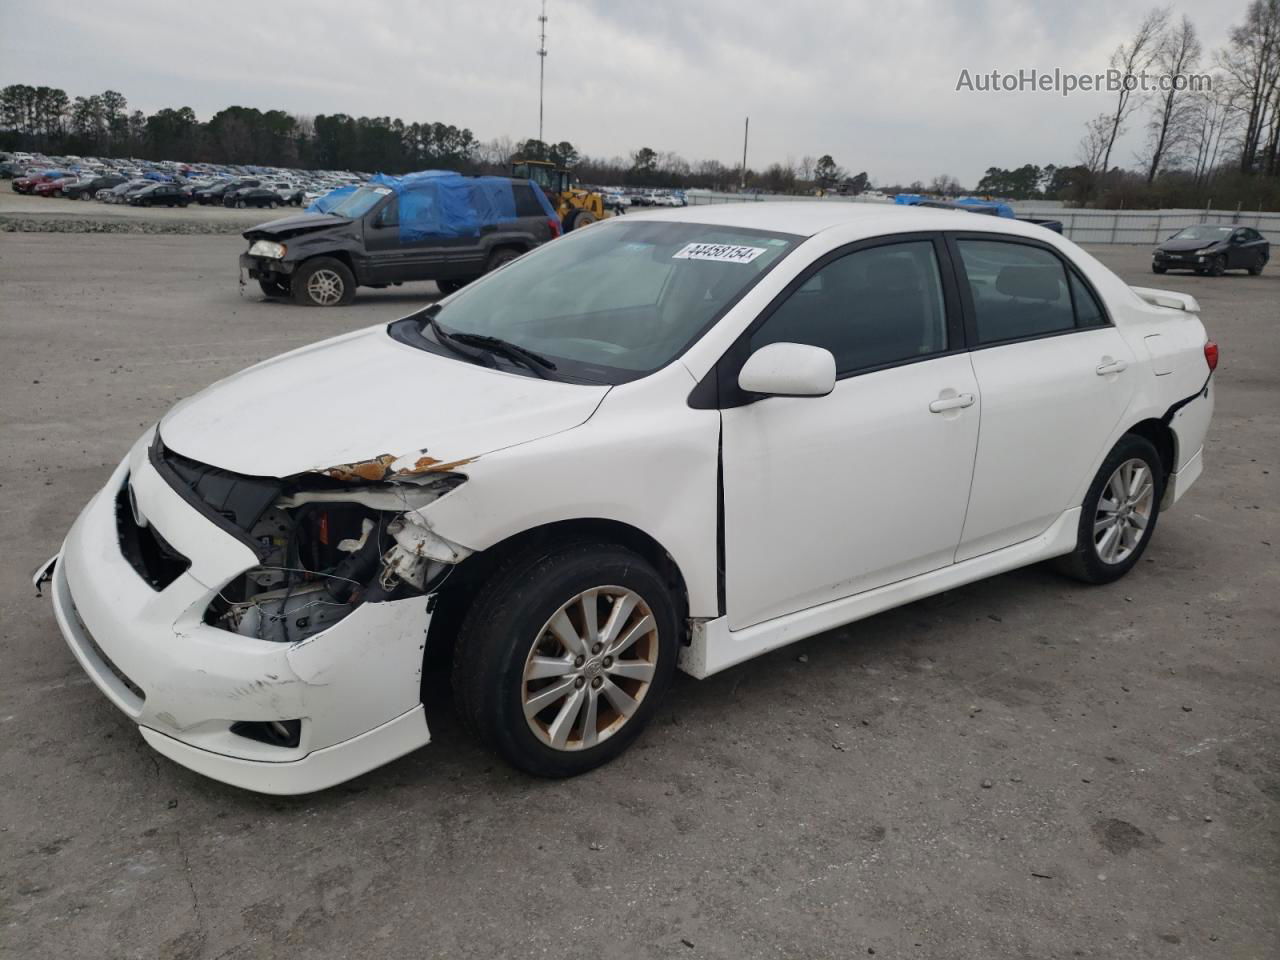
{"x": 1021, "y": 768}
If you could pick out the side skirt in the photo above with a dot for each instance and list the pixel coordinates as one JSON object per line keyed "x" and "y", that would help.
{"x": 715, "y": 647}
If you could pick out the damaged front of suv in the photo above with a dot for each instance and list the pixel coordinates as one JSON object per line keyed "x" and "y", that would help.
{"x": 254, "y": 592}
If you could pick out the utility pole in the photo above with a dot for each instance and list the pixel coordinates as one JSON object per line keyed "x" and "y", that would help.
{"x": 542, "y": 62}
{"x": 746, "y": 128}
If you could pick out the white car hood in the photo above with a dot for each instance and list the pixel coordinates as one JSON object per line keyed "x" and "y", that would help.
{"x": 364, "y": 406}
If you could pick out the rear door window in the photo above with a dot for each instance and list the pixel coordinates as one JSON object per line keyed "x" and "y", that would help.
{"x": 1018, "y": 290}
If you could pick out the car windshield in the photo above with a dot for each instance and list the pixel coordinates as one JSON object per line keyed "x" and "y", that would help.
{"x": 617, "y": 301}
{"x": 359, "y": 203}
{"x": 1203, "y": 232}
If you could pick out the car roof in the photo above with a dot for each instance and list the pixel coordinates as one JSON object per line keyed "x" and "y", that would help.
{"x": 808, "y": 218}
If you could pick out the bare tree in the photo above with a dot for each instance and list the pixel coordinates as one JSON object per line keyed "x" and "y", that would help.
{"x": 1178, "y": 52}
{"x": 1093, "y": 145}
{"x": 805, "y": 170}
{"x": 1252, "y": 61}
{"x": 1132, "y": 59}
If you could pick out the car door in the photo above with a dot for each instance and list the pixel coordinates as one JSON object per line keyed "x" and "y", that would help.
{"x": 825, "y": 497}
{"x": 1055, "y": 378}
{"x": 382, "y": 242}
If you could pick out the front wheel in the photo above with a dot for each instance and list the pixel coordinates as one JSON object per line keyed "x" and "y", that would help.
{"x": 1119, "y": 513}
{"x": 274, "y": 288}
{"x": 578, "y": 218}
{"x": 1218, "y": 266}
{"x": 273, "y": 204}
{"x": 240, "y": 204}
{"x": 1155, "y": 269}
{"x": 323, "y": 282}
{"x": 565, "y": 655}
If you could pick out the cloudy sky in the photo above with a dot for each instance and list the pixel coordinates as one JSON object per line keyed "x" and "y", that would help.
{"x": 873, "y": 84}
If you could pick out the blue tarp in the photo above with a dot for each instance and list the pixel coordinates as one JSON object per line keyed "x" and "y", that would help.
{"x": 1001, "y": 209}
{"x": 434, "y": 203}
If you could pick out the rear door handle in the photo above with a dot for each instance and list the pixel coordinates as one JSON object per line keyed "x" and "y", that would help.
{"x": 1111, "y": 366}
{"x": 951, "y": 403}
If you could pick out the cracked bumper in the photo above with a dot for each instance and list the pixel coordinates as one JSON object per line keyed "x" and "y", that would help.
{"x": 355, "y": 687}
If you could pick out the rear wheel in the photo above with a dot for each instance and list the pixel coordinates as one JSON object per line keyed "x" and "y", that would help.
{"x": 240, "y": 204}
{"x": 452, "y": 285}
{"x": 1119, "y": 513}
{"x": 85, "y": 196}
{"x": 273, "y": 204}
{"x": 1259, "y": 262}
{"x": 565, "y": 655}
{"x": 323, "y": 282}
{"x": 500, "y": 257}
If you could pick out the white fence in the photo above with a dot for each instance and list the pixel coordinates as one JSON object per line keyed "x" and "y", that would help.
{"x": 1082, "y": 226}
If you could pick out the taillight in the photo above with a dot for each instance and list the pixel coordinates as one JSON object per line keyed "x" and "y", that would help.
{"x": 554, "y": 224}
{"x": 1211, "y": 355}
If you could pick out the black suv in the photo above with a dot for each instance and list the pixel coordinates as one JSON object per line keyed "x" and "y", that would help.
{"x": 320, "y": 258}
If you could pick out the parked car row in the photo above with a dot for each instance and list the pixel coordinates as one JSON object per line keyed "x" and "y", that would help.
{"x": 127, "y": 181}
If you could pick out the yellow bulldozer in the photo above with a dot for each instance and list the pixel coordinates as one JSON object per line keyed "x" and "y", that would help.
{"x": 575, "y": 206}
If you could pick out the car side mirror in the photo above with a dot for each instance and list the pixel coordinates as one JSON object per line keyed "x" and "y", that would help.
{"x": 789, "y": 370}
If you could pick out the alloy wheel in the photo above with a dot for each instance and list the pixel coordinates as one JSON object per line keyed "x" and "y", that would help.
{"x": 592, "y": 664}
{"x": 325, "y": 287}
{"x": 1124, "y": 511}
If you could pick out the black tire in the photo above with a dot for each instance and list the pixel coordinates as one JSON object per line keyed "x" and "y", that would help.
{"x": 499, "y": 257}
{"x": 300, "y": 285}
{"x": 1085, "y": 562}
{"x": 240, "y": 204}
{"x": 578, "y": 218}
{"x": 85, "y": 196}
{"x": 502, "y": 626}
{"x": 1218, "y": 266}
{"x": 1259, "y": 262}
{"x": 1155, "y": 269}
{"x": 273, "y": 204}
{"x": 452, "y": 285}
{"x": 274, "y": 288}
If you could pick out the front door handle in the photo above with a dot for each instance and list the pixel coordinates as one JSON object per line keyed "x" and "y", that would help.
{"x": 951, "y": 403}
{"x": 1110, "y": 366}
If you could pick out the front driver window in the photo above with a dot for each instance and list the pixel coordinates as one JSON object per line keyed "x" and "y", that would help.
{"x": 870, "y": 308}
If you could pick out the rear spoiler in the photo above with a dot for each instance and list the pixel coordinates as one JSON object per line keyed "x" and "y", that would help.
{"x": 1169, "y": 299}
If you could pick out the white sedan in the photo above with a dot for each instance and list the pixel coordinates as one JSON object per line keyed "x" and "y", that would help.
{"x": 674, "y": 440}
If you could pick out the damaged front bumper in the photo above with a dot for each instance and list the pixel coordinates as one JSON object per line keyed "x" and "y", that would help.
{"x": 266, "y": 268}
{"x": 273, "y": 717}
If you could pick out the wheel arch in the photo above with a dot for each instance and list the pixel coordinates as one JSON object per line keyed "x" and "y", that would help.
{"x": 1162, "y": 438}
{"x": 459, "y": 591}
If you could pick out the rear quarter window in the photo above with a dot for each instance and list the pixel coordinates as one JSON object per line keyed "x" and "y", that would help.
{"x": 527, "y": 204}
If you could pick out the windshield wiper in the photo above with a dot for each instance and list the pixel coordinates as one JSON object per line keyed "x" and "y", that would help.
{"x": 512, "y": 351}
{"x": 458, "y": 342}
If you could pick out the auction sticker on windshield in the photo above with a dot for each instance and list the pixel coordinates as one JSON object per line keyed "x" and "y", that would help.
{"x": 722, "y": 252}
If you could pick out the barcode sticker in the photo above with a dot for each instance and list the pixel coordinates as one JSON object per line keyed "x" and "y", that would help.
{"x": 721, "y": 252}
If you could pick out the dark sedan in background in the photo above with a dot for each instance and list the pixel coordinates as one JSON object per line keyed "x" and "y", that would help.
{"x": 159, "y": 195}
{"x": 1211, "y": 249}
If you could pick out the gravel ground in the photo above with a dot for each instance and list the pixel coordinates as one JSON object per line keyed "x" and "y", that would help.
{"x": 1024, "y": 767}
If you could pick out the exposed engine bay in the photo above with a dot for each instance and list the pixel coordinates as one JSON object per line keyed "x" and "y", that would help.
{"x": 327, "y": 547}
